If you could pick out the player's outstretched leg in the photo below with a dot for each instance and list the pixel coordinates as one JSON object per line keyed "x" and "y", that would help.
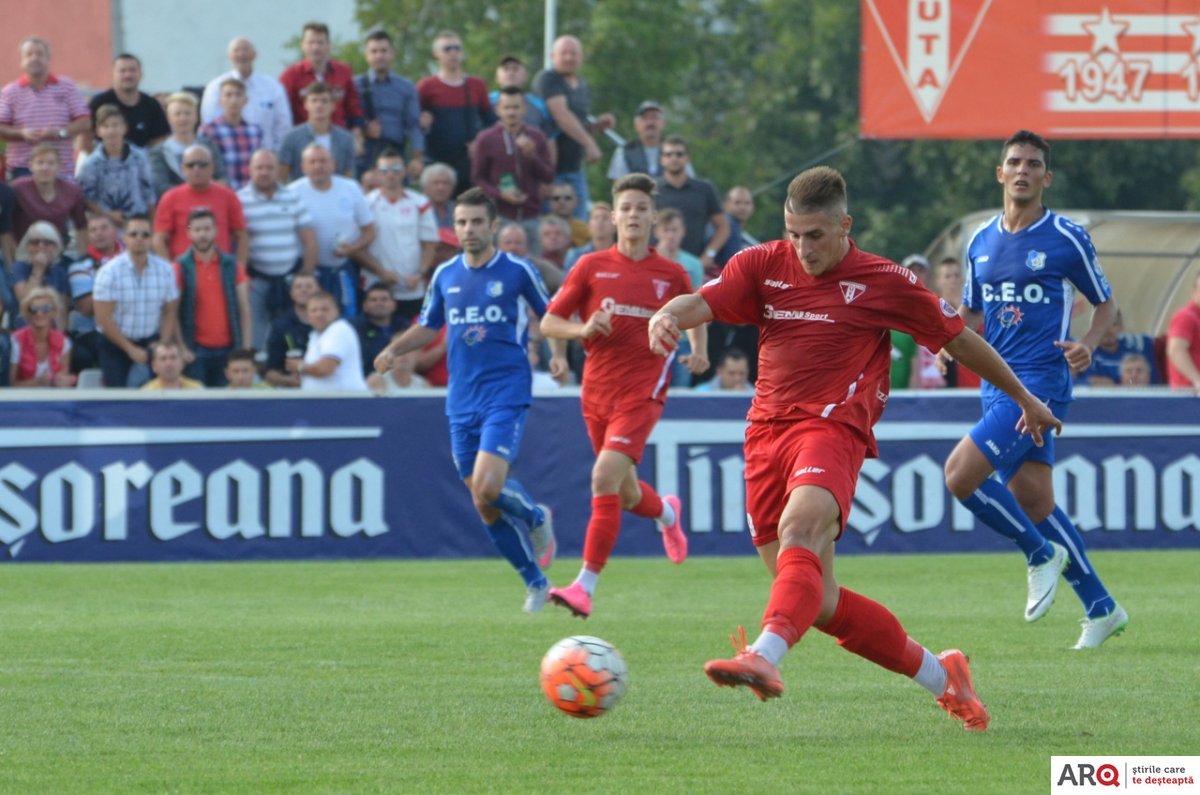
{"x": 868, "y": 629}
{"x": 509, "y": 538}
{"x": 602, "y": 531}
{"x": 995, "y": 506}
{"x": 792, "y": 608}
{"x": 668, "y": 513}
{"x": 1104, "y": 617}
{"x": 515, "y": 501}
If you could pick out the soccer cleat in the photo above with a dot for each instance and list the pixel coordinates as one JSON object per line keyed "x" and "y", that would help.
{"x": 959, "y": 699}
{"x": 542, "y": 536}
{"x": 674, "y": 540}
{"x": 748, "y": 668}
{"x": 1043, "y": 583}
{"x": 574, "y": 598}
{"x": 535, "y": 598}
{"x": 1098, "y": 630}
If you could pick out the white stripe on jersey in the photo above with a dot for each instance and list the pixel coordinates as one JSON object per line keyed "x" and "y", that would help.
{"x": 662, "y": 375}
{"x": 849, "y": 394}
{"x": 1064, "y": 329}
{"x": 535, "y": 276}
{"x": 1089, "y": 265}
{"x": 969, "y": 267}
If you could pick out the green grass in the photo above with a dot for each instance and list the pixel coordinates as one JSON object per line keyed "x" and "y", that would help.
{"x": 422, "y": 677}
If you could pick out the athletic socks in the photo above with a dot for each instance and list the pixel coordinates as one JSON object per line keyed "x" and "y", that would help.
{"x": 588, "y": 579}
{"x": 1079, "y": 572}
{"x": 795, "y": 599}
{"x": 510, "y": 540}
{"x": 868, "y": 629}
{"x": 772, "y": 647}
{"x": 932, "y": 675}
{"x": 515, "y": 501}
{"x": 602, "y": 531}
{"x": 996, "y": 507}
{"x": 652, "y": 506}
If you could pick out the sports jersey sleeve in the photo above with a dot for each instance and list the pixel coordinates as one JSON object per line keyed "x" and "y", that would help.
{"x": 972, "y": 294}
{"x": 733, "y": 296}
{"x": 917, "y": 312}
{"x": 569, "y": 298}
{"x": 433, "y": 312}
{"x": 1083, "y": 270}
{"x": 533, "y": 289}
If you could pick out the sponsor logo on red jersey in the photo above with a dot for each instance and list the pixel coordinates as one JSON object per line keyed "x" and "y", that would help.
{"x": 610, "y": 305}
{"x": 771, "y": 313}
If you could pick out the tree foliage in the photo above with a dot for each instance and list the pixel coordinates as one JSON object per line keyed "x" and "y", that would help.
{"x": 762, "y": 88}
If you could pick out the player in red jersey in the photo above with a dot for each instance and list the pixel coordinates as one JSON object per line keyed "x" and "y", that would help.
{"x": 824, "y": 310}
{"x": 624, "y": 384}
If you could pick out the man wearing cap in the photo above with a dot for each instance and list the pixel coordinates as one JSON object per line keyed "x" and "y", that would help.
{"x": 512, "y": 72}
{"x": 390, "y": 106}
{"x": 641, "y": 153}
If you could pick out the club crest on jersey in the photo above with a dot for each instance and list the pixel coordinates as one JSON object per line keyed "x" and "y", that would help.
{"x": 495, "y": 289}
{"x": 947, "y": 310}
{"x": 852, "y": 290}
{"x": 660, "y": 287}
{"x": 1010, "y": 316}
{"x": 1035, "y": 260}
{"x": 473, "y": 335}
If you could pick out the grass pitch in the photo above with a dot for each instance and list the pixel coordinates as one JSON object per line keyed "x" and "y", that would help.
{"x": 422, "y": 677}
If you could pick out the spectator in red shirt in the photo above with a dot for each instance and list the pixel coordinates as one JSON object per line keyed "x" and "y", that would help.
{"x": 317, "y": 65}
{"x": 454, "y": 109}
{"x": 199, "y": 190}
{"x": 46, "y": 196}
{"x": 1183, "y": 343}
{"x": 214, "y": 301}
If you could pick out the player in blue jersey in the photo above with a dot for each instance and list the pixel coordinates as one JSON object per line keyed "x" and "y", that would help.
{"x": 485, "y": 297}
{"x": 1023, "y": 268}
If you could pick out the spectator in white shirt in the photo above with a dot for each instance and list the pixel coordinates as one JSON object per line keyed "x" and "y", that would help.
{"x": 267, "y": 104}
{"x": 333, "y": 360}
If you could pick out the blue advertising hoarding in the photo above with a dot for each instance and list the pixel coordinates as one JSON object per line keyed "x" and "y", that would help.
{"x": 205, "y": 477}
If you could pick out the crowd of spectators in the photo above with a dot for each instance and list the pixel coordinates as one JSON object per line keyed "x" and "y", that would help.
{"x": 277, "y": 232}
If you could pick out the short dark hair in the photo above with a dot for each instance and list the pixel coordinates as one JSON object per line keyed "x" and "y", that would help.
{"x": 379, "y": 35}
{"x": 378, "y": 287}
{"x": 318, "y": 87}
{"x": 1031, "y": 138}
{"x": 675, "y": 140}
{"x": 475, "y": 197}
{"x": 241, "y": 355}
{"x": 199, "y": 213}
{"x": 818, "y": 190}
{"x": 315, "y": 27}
{"x": 128, "y": 56}
{"x": 636, "y": 181}
{"x": 233, "y": 81}
{"x": 512, "y": 91}
{"x": 137, "y": 217}
{"x": 669, "y": 214}
{"x": 389, "y": 152}
{"x": 106, "y": 112}
{"x": 158, "y": 345}
{"x": 732, "y": 353}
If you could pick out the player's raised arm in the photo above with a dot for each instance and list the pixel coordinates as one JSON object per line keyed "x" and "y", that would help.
{"x": 413, "y": 338}
{"x": 971, "y": 350}
{"x": 681, "y": 313}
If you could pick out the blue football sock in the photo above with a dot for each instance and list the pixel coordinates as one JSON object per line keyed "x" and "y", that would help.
{"x": 509, "y": 538}
{"x": 515, "y": 501}
{"x": 1079, "y": 572}
{"x": 996, "y": 507}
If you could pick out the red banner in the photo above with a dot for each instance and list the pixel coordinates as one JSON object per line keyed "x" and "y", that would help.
{"x": 1063, "y": 68}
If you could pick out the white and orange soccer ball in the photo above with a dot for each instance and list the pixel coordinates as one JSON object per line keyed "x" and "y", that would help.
{"x": 584, "y": 676}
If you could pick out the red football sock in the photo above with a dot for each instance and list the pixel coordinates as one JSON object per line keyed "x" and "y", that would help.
{"x": 602, "y": 531}
{"x": 795, "y": 595}
{"x": 650, "y": 505}
{"x": 869, "y": 629}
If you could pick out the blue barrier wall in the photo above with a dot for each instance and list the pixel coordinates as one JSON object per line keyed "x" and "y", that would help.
{"x": 292, "y": 477}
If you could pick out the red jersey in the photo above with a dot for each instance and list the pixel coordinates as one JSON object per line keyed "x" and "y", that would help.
{"x": 621, "y": 366}
{"x": 824, "y": 347}
{"x": 347, "y": 112}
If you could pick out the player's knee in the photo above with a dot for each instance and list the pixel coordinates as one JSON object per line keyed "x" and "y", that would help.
{"x": 485, "y": 493}
{"x": 604, "y": 482}
{"x": 1037, "y": 507}
{"x": 957, "y": 482}
{"x": 809, "y": 532}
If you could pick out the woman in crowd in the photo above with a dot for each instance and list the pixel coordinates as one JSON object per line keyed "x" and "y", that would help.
{"x": 41, "y": 354}
{"x": 166, "y": 159}
{"x": 40, "y": 263}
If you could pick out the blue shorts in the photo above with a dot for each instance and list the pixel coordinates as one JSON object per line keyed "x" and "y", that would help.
{"x": 1007, "y": 449}
{"x": 495, "y": 431}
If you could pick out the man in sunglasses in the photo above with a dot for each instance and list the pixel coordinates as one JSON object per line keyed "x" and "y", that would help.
{"x": 405, "y": 239}
{"x": 454, "y": 109}
{"x": 200, "y": 190}
{"x": 136, "y": 302}
{"x": 696, "y": 199}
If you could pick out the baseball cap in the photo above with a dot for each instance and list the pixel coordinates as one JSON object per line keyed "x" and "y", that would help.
{"x": 915, "y": 261}
{"x": 510, "y": 58}
{"x": 448, "y": 237}
{"x": 646, "y": 105}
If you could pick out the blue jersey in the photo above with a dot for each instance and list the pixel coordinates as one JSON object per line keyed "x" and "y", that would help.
{"x": 486, "y": 310}
{"x": 1108, "y": 363}
{"x": 1025, "y": 283}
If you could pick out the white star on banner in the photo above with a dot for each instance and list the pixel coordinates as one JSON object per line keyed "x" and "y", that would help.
{"x": 1105, "y": 32}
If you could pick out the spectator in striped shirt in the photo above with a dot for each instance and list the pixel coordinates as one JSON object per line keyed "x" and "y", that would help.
{"x": 237, "y": 138}
{"x": 136, "y": 302}
{"x": 41, "y": 107}
{"x": 281, "y": 241}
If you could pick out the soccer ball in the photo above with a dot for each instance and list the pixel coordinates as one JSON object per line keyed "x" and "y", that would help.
{"x": 583, "y": 676}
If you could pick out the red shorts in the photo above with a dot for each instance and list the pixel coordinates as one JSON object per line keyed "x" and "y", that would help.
{"x": 783, "y": 455}
{"x": 624, "y": 428}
